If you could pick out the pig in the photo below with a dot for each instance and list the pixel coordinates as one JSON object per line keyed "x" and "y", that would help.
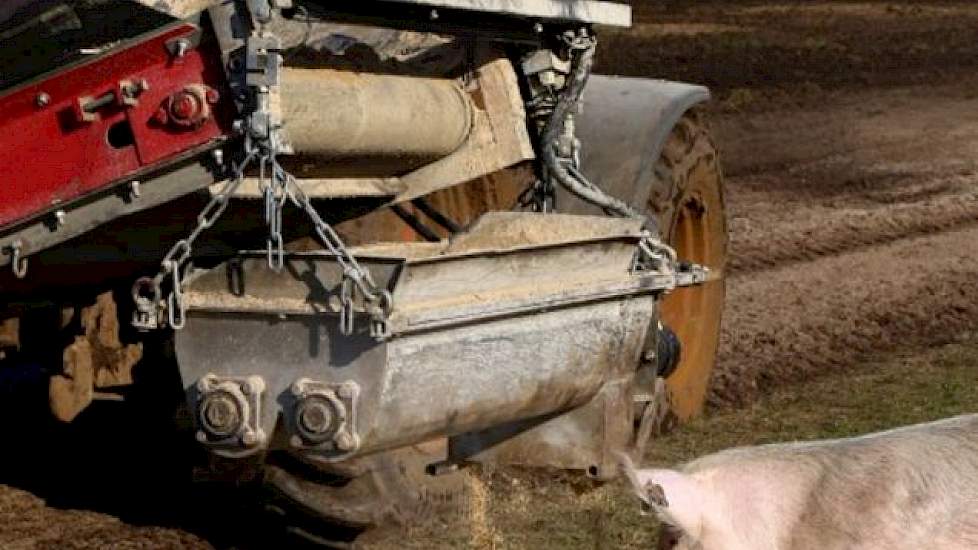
{"x": 911, "y": 487}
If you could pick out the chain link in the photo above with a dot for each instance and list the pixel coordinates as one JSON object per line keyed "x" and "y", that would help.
{"x": 178, "y": 256}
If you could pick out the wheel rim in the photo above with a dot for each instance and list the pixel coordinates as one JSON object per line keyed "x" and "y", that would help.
{"x": 698, "y": 234}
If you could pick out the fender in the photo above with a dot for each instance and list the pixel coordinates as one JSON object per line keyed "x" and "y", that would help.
{"x": 623, "y": 127}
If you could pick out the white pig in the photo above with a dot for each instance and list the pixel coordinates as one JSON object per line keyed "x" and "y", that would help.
{"x": 910, "y": 488}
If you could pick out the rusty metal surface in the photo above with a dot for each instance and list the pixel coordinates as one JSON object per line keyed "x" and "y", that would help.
{"x": 499, "y": 334}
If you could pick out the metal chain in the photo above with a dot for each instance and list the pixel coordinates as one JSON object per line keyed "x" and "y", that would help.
{"x": 355, "y": 277}
{"x": 261, "y": 141}
{"x": 176, "y": 259}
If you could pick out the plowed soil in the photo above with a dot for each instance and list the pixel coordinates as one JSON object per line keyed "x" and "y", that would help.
{"x": 849, "y": 133}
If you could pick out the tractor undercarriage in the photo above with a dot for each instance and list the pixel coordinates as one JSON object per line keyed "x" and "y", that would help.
{"x": 253, "y": 184}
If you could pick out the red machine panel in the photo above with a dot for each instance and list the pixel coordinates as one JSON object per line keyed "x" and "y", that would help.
{"x": 97, "y": 123}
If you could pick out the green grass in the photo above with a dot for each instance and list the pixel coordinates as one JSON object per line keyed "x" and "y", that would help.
{"x": 531, "y": 511}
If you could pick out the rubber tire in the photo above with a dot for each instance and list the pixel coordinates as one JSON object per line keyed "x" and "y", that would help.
{"x": 389, "y": 489}
{"x": 687, "y": 199}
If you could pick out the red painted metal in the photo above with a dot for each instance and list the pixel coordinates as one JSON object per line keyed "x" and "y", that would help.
{"x": 94, "y": 124}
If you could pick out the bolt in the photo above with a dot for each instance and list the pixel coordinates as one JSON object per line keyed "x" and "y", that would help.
{"x": 220, "y": 414}
{"x": 184, "y": 106}
{"x": 434, "y": 15}
{"x": 347, "y": 390}
{"x": 42, "y": 100}
{"x": 299, "y": 387}
{"x": 249, "y": 438}
{"x": 212, "y": 95}
{"x": 315, "y": 416}
{"x": 204, "y": 384}
{"x": 201, "y": 436}
{"x": 538, "y": 27}
{"x": 218, "y": 156}
{"x": 180, "y": 47}
{"x": 59, "y": 217}
{"x": 295, "y": 441}
{"x": 134, "y": 190}
{"x": 344, "y": 441}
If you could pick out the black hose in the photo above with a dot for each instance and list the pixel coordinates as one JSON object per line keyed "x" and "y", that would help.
{"x": 570, "y": 178}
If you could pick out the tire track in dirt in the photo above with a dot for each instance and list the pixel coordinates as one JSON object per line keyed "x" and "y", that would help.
{"x": 829, "y": 231}
{"x": 801, "y": 319}
{"x": 854, "y": 231}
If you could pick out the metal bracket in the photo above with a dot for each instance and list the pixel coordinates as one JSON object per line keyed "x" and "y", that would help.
{"x": 322, "y": 418}
{"x": 227, "y": 411}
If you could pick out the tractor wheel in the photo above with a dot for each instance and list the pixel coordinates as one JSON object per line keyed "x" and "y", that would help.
{"x": 388, "y": 490}
{"x": 686, "y": 196}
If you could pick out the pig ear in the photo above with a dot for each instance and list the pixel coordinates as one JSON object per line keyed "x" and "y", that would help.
{"x": 677, "y": 499}
{"x": 674, "y": 497}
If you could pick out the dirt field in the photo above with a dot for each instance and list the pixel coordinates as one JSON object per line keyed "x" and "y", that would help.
{"x": 849, "y": 133}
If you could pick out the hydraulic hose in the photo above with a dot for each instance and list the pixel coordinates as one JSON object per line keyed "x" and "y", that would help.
{"x": 560, "y": 168}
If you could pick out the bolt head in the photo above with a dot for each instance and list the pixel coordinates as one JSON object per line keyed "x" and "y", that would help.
{"x": 181, "y": 47}
{"x": 201, "y": 436}
{"x": 204, "y": 384}
{"x": 295, "y": 441}
{"x": 185, "y": 106}
{"x": 315, "y": 416}
{"x": 249, "y": 438}
{"x": 213, "y": 96}
{"x": 347, "y": 390}
{"x": 253, "y": 385}
{"x": 220, "y": 414}
{"x": 299, "y": 387}
{"x": 42, "y": 100}
{"x": 344, "y": 441}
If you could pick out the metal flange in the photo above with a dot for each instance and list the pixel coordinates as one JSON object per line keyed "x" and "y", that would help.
{"x": 227, "y": 411}
{"x": 322, "y": 418}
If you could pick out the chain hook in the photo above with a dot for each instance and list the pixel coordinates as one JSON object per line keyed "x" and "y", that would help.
{"x": 18, "y": 262}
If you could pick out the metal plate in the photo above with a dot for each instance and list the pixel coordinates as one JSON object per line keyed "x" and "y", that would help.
{"x": 585, "y": 11}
